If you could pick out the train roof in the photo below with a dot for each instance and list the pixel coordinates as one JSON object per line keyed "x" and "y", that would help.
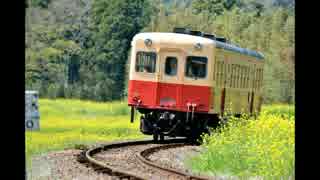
{"x": 191, "y": 39}
{"x": 231, "y": 47}
{"x": 172, "y": 38}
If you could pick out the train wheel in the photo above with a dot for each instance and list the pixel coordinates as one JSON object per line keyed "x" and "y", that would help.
{"x": 161, "y": 137}
{"x": 207, "y": 130}
{"x": 155, "y": 137}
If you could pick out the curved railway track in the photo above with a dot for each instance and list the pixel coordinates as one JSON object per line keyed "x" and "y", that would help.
{"x": 130, "y": 160}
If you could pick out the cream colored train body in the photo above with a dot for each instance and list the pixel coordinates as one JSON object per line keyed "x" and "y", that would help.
{"x": 209, "y": 77}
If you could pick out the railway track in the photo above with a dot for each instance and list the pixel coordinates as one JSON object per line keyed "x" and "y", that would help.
{"x": 130, "y": 160}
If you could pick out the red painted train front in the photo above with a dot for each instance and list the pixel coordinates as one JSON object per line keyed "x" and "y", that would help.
{"x": 172, "y": 84}
{"x": 168, "y": 96}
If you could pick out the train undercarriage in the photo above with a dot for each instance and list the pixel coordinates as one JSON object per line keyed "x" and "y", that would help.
{"x": 161, "y": 123}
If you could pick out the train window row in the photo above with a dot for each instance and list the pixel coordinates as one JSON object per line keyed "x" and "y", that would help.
{"x": 237, "y": 76}
{"x": 196, "y": 67}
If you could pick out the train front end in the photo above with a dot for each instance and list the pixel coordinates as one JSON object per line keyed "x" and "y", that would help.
{"x": 169, "y": 81}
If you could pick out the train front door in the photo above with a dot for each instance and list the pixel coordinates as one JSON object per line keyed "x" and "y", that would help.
{"x": 169, "y": 84}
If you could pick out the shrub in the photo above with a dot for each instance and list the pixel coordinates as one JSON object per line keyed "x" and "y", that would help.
{"x": 262, "y": 147}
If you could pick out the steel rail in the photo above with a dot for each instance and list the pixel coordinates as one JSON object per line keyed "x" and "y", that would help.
{"x": 98, "y": 165}
{"x": 110, "y": 169}
{"x": 142, "y": 156}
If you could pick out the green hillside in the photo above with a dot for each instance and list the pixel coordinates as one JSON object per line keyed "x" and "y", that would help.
{"x": 80, "y": 48}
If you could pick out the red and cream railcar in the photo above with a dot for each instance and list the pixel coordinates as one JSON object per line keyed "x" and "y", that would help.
{"x": 182, "y": 82}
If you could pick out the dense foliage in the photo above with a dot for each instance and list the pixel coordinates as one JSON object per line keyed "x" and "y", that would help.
{"x": 79, "y": 49}
{"x": 248, "y": 148}
{"x": 263, "y": 27}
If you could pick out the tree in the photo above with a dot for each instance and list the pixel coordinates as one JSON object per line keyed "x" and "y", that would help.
{"x": 115, "y": 23}
{"x": 214, "y": 7}
{"x": 40, "y": 3}
{"x": 79, "y": 49}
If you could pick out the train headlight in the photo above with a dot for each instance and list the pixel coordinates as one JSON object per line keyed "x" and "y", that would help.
{"x": 148, "y": 42}
{"x": 171, "y": 116}
{"x": 198, "y": 46}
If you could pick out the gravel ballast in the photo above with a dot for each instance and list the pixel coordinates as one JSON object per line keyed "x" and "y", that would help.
{"x": 63, "y": 165}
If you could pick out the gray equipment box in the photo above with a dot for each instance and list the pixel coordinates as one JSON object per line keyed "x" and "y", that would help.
{"x": 32, "y": 115}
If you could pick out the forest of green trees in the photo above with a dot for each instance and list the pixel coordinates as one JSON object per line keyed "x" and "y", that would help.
{"x": 80, "y": 48}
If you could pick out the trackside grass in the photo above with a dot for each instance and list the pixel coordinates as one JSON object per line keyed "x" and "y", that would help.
{"x": 251, "y": 148}
{"x": 68, "y": 123}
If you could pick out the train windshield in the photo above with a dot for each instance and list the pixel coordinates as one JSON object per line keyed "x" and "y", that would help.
{"x": 196, "y": 67}
{"x": 171, "y": 66}
{"x": 146, "y": 62}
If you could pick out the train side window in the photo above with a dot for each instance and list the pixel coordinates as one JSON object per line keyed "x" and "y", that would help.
{"x": 258, "y": 78}
{"x": 255, "y": 79}
{"x": 228, "y": 75}
{"x": 196, "y": 67}
{"x": 221, "y": 74}
{"x": 218, "y": 70}
{"x": 234, "y": 75}
{"x": 261, "y": 80}
{"x": 237, "y": 76}
{"x": 224, "y": 74}
{"x": 231, "y": 75}
{"x": 241, "y": 76}
{"x": 244, "y": 76}
{"x": 247, "y": 78}
{"x": 215, "y": 69}
{"x": 171, "y": 66}
{"x": 251, "y": 77}
{"x": 146, "y": 62}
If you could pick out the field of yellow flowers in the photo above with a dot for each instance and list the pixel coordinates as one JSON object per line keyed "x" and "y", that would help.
{"x": 262, "y": 147}
{"x": 68, "y": 123}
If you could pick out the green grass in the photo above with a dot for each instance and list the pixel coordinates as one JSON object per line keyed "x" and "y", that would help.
{"x": 68, "y": 123}
{"x": 283, "y": 110}
{"x": 246, "y": 148}
{"x": 263, "y": 147}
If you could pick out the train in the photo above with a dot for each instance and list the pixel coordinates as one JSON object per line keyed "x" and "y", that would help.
{"x": 184, "y": 82}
